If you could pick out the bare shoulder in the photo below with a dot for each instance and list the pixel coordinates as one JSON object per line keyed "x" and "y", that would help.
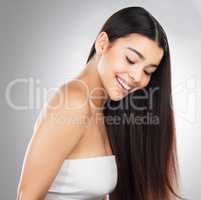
{"x": 58, "y": 129}
{"x": 63, "y": 119}
{"x": 71, "y": 95}
{"x": 70, "y": 100}
{"x": 75, "y": 95}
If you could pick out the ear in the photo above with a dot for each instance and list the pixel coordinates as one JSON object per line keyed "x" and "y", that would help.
{"x": 102, "y": 43}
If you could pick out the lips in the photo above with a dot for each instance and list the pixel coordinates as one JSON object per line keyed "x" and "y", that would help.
{"x": 124, "y": 85}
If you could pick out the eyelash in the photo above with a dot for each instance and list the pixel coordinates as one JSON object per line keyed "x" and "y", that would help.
{"x": 148, "y": 74}
{"x": 130, "y": 62}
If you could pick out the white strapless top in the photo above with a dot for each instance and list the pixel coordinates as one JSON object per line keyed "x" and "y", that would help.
{"x": 84, "y": 179}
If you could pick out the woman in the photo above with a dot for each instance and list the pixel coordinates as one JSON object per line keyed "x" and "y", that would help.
{"x": 111, "y": 129}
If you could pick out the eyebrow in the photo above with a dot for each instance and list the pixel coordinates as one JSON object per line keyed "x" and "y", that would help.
{"x": 140, "y": 55}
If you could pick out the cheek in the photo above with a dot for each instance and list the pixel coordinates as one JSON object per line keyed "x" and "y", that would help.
{"x": 116, "y": 60}
{"x": 111, "y": 64}
{"x": 118, "y": 65}
{"x": 106, "y": 69}
{"x": 145, "y": 82}
{"x": 118, "y": 68}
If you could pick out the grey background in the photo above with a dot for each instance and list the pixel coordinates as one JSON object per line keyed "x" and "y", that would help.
{"x": 49, "y": 41}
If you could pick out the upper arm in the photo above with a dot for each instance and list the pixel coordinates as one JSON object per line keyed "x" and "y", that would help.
{"x": 54, "y": 137}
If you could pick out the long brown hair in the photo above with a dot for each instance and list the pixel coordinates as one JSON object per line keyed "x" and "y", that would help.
{"x": 145, "y": 152}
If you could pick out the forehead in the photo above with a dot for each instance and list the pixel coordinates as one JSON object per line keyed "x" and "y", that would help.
{"x": 143, "y": 44}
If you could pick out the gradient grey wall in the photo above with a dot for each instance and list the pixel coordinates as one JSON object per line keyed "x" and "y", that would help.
{"x": 48, "y": 42}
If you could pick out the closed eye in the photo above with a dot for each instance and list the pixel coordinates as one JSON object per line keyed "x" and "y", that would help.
{"x": 129, "y": 61}
{"x": 147, "y": 73}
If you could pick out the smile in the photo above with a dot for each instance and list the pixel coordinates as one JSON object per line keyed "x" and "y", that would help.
{"x": 123, "y": 84}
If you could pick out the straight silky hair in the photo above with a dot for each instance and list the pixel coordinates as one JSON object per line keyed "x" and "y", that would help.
{"x": 145, "y": 153}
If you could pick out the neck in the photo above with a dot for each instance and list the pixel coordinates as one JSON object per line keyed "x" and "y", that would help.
{"x": 96, "y": 91}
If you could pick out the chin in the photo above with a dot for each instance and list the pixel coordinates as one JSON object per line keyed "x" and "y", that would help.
{"x": 116, "y": 96}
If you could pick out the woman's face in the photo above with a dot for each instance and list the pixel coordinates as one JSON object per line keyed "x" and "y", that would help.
{"x": 127, "y": 64}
